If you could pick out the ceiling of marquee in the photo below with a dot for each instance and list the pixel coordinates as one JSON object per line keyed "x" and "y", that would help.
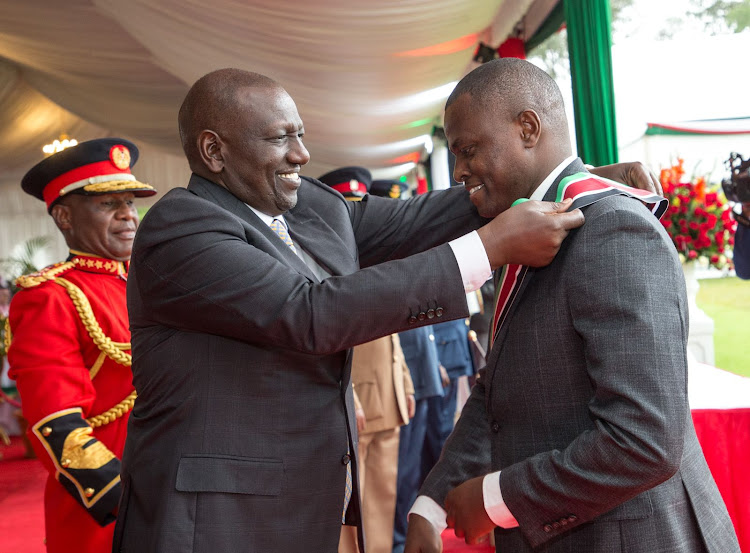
{"x": 369, "y": 78}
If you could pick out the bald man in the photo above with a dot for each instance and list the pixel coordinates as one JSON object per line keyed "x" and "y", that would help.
{"x": 247, "y": 291}
{"x": 578, "y": 435}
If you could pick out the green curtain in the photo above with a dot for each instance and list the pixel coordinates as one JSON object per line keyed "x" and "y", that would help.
{"x": 551, "y": 25}
{"x": 589, "y": 44}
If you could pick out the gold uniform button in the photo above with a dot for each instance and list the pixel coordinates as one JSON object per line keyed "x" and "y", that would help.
{"x": 65, "y": 463}
{"x": 88, "y": 492}
{"x": 46, "y": 431}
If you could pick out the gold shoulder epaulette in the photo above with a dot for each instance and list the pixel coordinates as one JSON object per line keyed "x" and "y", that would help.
{"x": 48, "y": 273}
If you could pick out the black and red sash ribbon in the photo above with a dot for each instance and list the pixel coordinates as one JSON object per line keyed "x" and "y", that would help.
{"x": 584, "y": 189}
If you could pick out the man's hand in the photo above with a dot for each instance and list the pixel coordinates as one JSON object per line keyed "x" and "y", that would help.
{"x": 633, "y": 174}
{"x": 446, "y": 380}
{"x": 466, "y": 514}
{"x": 528, "y": 234}
{"x": 361, "y": 420}
{"x": 422, "y": 536}
{"x": 411, "y": 405}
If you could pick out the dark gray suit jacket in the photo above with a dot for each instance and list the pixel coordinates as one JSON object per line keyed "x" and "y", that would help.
{"x": 583, "y": 404}
{"x": 238, "y": 439}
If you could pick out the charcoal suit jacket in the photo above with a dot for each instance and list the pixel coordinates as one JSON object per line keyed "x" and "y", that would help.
{"x": 583, "y": 403}
{"x": 244, "y": 421}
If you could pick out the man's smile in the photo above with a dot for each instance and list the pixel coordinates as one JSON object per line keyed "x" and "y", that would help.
{"x": 473, "y": 189}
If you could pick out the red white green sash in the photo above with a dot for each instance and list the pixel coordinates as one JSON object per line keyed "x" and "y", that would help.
{"x": 585, "y": 189}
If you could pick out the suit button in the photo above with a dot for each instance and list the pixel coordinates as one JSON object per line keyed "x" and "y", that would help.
{"x": 563, "y": 521}
{"x": 439, "y": 312}
{"x": 432, "y": 337}
{"x": 572, "y": 518}
{"x": 345, "y": 459}
{"x": 556, "y": 525}
{"x": 412, "y": 320}
{"x": 430, "y": 313}
{"x": 495, "y": 427}
{"x": 547, "y": 528}
{"x": 422, "y": 316}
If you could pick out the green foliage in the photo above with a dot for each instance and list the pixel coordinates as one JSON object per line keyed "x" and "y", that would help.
{"x": 553, "y": 52}
{"x": 727, "y": 302}
{"x": 24, "y": 262}
{"x": 720, "y": 16}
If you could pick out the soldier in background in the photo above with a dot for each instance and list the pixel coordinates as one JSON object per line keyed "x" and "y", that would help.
{"x": 421, "y": 355}
{"x": 70, "y": 345}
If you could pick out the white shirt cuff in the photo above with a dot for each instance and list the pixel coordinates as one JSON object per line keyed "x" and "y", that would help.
{"x": 428, "y": 508}
{"x": 496, "y": 508}
{"x": 472, "y": 260}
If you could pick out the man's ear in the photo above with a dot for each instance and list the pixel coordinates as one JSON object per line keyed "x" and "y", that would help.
{"x": 63, "y": 216}
{"x": 531, "y": 127}
{"x": 209, "y": 150}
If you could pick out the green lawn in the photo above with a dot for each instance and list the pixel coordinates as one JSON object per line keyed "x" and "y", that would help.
{"x": 727, "y": 302}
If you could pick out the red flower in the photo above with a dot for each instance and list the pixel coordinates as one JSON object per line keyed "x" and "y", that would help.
{"x": 698, "y": 219}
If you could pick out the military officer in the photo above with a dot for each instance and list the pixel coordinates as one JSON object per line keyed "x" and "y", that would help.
{"x": 70, "y": 339}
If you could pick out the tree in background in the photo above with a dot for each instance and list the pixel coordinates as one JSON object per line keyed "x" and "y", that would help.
{"x": 718, "y": 17}
{"x": 721, "y": 16}
{"x": 552, "y": 54}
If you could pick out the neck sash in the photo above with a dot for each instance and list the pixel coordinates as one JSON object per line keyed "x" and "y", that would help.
{"x": 584, "y": 189}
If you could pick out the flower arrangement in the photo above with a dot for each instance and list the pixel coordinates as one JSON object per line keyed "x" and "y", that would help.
{"x": 698, "y": 220}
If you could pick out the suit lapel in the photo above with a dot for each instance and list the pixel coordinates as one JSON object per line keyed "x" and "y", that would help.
{"x": 575, "y": 166}
{"x": 268, "y": 241}
{"x": 316, "y": 236}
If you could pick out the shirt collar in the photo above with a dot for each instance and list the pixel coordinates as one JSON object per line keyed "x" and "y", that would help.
{"x": 267, "y": 219}
{"x": 541, "y": 190}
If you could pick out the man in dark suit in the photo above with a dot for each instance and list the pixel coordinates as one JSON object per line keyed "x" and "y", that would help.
{"x": 578, "y": 437}
{"x": 245, "y": 295}
{"x": 452, "y": 340}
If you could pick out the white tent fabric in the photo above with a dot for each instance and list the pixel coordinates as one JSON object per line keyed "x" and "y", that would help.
{"x": 369, "y": 78}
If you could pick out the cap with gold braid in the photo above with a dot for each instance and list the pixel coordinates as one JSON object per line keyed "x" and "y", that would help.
{"x": 388, "y": 188}
{"x": 352, "y": 182}
{"x": 100, "y": 166}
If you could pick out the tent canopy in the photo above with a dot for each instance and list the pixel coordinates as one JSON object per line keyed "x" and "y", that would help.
{"x": 369, "y": 78}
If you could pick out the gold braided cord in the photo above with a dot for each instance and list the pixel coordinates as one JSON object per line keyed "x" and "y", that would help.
{"x": 86, "y": 314}
{"x": 94, "y": 370}
{"x": 116, "y": 186}
{"x": 115, "y": 413}
{"x": 35, "y": 279}
{"x": 7, "y": 336}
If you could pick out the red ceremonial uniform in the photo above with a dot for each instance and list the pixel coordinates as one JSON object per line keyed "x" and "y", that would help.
{"x": 70, "y": 357}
